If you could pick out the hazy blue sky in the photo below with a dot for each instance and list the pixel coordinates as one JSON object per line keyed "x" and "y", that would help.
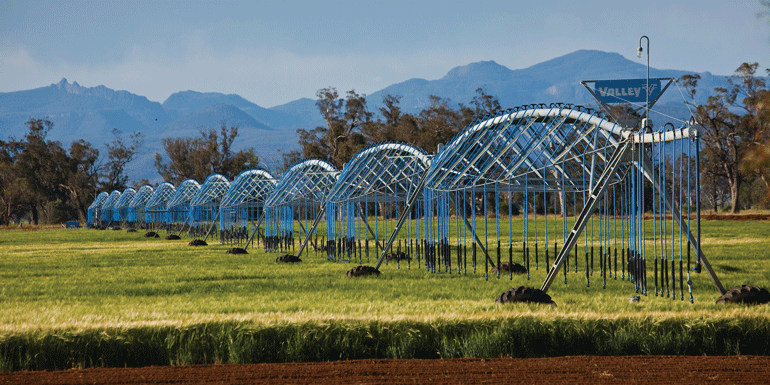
{"x": 273, "y": 52}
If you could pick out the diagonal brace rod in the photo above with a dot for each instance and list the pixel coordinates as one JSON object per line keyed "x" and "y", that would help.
{"x": 618, "y": 157}
{"x": 256, "y": 228}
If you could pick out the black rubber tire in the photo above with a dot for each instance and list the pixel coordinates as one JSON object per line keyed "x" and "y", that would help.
{"x": 172, "y": 237}
{"x": 151, "y": 234}
{"x": 198, "y": 242}
{"x": 237, "y": 250}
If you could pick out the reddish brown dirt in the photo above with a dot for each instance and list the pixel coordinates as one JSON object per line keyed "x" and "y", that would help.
{"x": 736, "y": 217}
{"x": 724, "y": 217}
{"x": 558, "y": 370}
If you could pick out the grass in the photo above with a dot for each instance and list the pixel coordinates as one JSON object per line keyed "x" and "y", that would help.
{"x": 79, "y": 298}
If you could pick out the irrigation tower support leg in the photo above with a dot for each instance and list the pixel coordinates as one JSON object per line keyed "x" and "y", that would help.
{"x": 183, "y": 226}
{"x": 211, "y": 227}
{"x": 407, "y": 209}
{"x": 256, "y": 228}
{"x": 478, "y": 242}
{"x": 619, "y": 156}
{"x": 312, "y": 228}
{"x": 305, "y": 230}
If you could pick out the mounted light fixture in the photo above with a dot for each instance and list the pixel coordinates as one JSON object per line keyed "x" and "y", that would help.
{"x": 646, "y": 122}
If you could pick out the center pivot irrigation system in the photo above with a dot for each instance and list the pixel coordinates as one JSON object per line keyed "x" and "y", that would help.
{"x": 596, "y": 199}
{"x": 556, "y": 187}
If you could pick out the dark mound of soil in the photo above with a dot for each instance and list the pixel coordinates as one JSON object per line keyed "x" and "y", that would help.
{"x": 362, "y": 271}
{"x": 398, "y": 256}
{"x": 131, "y": 230}
{"x": 525, "y": 294}
{"x": 151, "y": 234}
{"x": 750, "y": 295}
{"x": 287, "y": 258}
{"x": 172, "y": 237}
{"x": 197, "y": 242}
{"x": 236, "y": 250}
{"x": 515, "y": 268}
{"x": 114, "y": 228}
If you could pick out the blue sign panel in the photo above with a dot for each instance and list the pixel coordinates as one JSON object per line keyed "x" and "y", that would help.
{"x": 626, "y": 90}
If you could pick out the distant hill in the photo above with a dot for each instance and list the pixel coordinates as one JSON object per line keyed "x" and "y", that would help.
{"x": 91, "y": 113}
{"x": 212, "y": 117}
{"x": 304, "y": 110}
{"x": 555, "y": 80}
{"x": 187, "y": 102}
{"x": 79, "y": 112}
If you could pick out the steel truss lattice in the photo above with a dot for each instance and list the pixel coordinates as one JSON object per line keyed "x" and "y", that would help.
{"x": 121, "y": 209}
{"x": 559, "y": 154}
{"x": 94, "y": 210}
{"x": 108, "y": 208}
{"x": 137, "y": 208}
{"x": 242, "y": 205}
{"x": 298, "y": 196}
{"x": 379, "y": 181}
{"x": 178, "y": 206}
{"x": 156, "y": 207}
{"x": 204, "y": 206}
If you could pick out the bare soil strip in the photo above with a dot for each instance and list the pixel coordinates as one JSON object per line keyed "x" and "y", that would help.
{"x": 555, "y": 370}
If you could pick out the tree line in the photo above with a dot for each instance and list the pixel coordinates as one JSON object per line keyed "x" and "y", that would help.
{"x": 350, "y": 126}
{"x": 41, "y": 181}
{"x": 734, "y": 128}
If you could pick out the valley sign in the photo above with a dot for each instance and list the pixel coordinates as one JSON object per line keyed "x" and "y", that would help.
{"x": 626, "y": 90}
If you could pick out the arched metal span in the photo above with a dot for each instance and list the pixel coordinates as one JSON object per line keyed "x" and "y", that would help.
{"x": 109, "y": 206}
{"x": 120, "y": 211}
{"x": 156, "y": 206}
{"x": 385, "y": 171}
{"x": 306, "y": 180}
{"x": 241, "y": 210}
{"x": 204, "y": 206}
{"x": 94, "y": 210}
{"x": 298, "y": 196}
{"x": 379, "y": 180}
{"x": 178, "y": 206}
{"x": 137, "y": 207}
{"x": 526, "y": 148}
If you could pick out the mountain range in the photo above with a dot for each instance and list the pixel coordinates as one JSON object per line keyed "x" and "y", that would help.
{"x": 91, "y": 113}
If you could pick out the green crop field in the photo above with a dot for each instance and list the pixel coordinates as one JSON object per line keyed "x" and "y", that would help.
{"x": 82, "y": 297}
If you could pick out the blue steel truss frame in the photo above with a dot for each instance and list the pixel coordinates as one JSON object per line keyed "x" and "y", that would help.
{"x": 178, "y": 206}
{"x": 156, "y": 207}
{"x": 108, "y": 208}
{"x": 298, "y": 197}
{"x": 242, "y": 207}
{"x": 137, "y": 212}
{"x": 121, "y": 209}
{"x": 383, "y": 181}
{"x": 204, "y": 206}
{"x": 94, "y": 210}
{"x": 561, "y": 152}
